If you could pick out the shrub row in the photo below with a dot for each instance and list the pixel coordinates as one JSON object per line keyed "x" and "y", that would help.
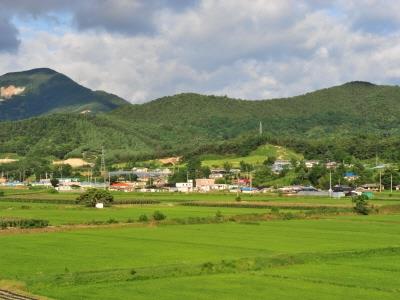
{"x": 27, "y": 200}
{"x": 250, "y": 205}
{"x": 23, "y": 223}
{"x": 136, "y": 201}
{"x": 157, "y": 216}
{"x": 72, "y": 201}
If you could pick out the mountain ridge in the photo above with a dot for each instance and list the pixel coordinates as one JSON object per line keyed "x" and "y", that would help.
{"x": 357, "y": 117}
{"x": 43, "y": 91}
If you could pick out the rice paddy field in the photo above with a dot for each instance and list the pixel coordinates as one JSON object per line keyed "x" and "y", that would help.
{"x": 240, "y": 255}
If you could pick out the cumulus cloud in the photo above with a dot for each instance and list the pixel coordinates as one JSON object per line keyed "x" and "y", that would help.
{"x": 247, "y": 49}
{"x": 121, "y": 16}
{"x": 375, "y": 16}
{"x": 8, "y": 35}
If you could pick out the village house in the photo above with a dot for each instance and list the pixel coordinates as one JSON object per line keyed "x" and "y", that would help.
{"x": 184, "y": 187}
{"x": 217, "y": 173}
{"x": 3, "y": 180}
{"x": 42, "y": 182}
{"x": 311, "y": 163}
{"x": 331, "y": 165}
{"x": 220, "y": 187}
{"x": 350, "y": 176}
{"x": 122, "y": 186}
{"x": 372, "y": 187}
{"x": 279, "y": 165}
{"x": 204, "y": 184}
{"x": 249, "y": 190}
{"x": 292, "y": 189}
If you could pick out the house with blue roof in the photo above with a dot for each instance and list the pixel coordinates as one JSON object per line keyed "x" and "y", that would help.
{"x": 350, "y": 176}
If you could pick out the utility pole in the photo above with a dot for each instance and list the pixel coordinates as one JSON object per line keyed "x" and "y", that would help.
{"x": 330, "y": 183}
{"x": 103, "y": 167}
{"x": 391, "y": 183}
{"x": 261, "y": 129}
{"x": 380, "y": 180}
{"x": 237, "y": 188}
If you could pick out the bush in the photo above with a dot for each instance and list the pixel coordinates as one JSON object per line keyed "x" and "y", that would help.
{"x": 93, "y": 196}
{"x": 23, "y": 223}
{"x": 54, "y": 182}
{"x": 52, "y": 191}
{"x": 238, "y": 198}
{"x": 207, "y": 266}
{"x": 143, "y": 218}
{"x": 112, "y": 221}
{"x": 361, "y": 205}
{"x": 1, "y": 193}
{"x": 158, "y": 216}
{"x": 275, "y": 210}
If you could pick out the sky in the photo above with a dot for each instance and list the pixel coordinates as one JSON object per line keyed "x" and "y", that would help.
{"x": 250, "y": 49}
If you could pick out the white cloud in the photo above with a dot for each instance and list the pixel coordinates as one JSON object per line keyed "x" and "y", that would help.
{"x": 246, "y": 49}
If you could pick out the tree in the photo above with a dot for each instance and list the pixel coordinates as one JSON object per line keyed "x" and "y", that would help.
{"x": 361, "y": 205}
{"x": 193, "y": 165}
{"x": 158, "y": 216}
{"x": 227, "y": 166}
{"x": 63, "y": 170}
{"x": 178, "y": 176}
{"x": 270, "y": 160}
{"x": 315, "y": 174}
{"x": 54, "y": 182}
{"x": 262, "y": 175}
{"x": 390, "y": 175}
{"x": 93, "y": 196}
{"x": 245, "y": 167}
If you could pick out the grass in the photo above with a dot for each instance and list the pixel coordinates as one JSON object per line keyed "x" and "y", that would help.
{"x": 180, "y": 197}
{"x": 280, "y": 258}
{"x": 256, "y": 157}
{"x": 332, "y": 257}
{"x": 59, "y": 214}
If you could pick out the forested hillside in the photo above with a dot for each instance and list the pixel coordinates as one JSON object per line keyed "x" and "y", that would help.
{"x": 356, "y": 118}
{"x": 42, "y": 91}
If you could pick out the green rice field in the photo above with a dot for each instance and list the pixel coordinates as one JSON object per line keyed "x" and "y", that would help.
{"x": 330, "y": 256}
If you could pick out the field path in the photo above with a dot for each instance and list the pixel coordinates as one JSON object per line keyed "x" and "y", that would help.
{"x": 7, "y": 295}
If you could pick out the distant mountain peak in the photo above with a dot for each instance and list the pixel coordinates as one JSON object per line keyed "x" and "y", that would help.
{"x": 47, "y": 71}
{"x": 359, "y": 83}
{"x": 43, "y": 91}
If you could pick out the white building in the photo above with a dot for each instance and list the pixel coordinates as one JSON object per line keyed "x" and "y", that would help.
{"x": 311, "y": 163}
{"x": 280, "y": 164}
{"x": 185, "y": 186}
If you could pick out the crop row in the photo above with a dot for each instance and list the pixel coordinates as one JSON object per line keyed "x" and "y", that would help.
{"x": 72, "y": 201}
{"x": 23, "y": 223}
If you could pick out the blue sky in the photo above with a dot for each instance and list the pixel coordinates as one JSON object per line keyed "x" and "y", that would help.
{"x": 257, "y": 49}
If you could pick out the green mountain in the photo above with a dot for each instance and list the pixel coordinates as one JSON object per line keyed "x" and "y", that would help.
{"x": 43, "y": 91}
{"x": 356, "y": 118}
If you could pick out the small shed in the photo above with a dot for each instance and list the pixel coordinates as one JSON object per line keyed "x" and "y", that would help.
{"x": 100, "y": 205}
{"x": 370, "y": 195}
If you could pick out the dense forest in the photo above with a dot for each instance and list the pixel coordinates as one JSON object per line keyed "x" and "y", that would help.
{"x": 356, "y": 119}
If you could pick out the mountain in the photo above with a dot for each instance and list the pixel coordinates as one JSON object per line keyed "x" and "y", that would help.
{"x": 353, "y": 107}
{"x": 356, "y": 118}
{"x": 43, "y": 91}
